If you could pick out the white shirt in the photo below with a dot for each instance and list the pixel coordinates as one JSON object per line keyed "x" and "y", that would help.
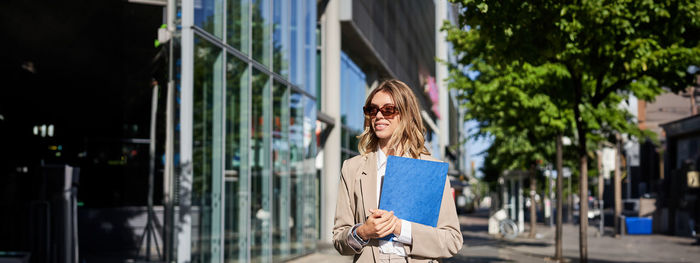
{"x": 395, "y": 246}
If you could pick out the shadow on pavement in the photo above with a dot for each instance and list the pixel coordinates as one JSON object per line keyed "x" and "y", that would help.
{"x": 593, "y": 260}
{"x": 462, "y": 258}
{"x": 475, "y": 228}
{"x": 474, "y": 240}
{"x": 526, "y": 244}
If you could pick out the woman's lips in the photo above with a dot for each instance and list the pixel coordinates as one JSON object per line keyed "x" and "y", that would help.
{"x": 380, "y": 127}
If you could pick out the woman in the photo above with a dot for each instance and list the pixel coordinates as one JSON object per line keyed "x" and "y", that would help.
{"x": 393, "y": 126}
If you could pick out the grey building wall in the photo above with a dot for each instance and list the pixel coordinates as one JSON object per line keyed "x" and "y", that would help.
{"x": 393, "y": 38}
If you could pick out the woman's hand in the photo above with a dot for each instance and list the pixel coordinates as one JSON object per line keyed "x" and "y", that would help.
{"x": 397, "y": 227}
{"x": 379, "y": 224}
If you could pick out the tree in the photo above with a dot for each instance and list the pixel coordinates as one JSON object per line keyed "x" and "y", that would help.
{"x": 515, "y": 110}
{"x": 601, "y": 52}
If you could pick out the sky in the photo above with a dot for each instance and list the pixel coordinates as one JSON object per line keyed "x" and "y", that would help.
{"x": 476, "y": 147}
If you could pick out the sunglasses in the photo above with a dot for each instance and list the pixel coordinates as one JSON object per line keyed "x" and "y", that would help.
{"x": 387, "y": 110}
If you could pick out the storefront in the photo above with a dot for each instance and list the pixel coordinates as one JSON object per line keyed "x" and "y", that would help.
{"x": 247, "y": 117}
{"x": 680, "y": 190}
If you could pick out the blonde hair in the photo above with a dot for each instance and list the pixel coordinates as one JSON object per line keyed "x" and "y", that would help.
{"x": 408, "y": 138}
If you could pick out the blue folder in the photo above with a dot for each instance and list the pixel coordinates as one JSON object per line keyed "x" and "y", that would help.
{"x": 413, "y": 188}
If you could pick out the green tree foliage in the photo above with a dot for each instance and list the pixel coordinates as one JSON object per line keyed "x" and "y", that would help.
{"x": 556, "y": 63}
{"x": 544, "y": 62}
{"x": 562, "y": 66}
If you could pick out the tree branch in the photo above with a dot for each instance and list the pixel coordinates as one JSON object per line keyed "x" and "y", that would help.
{"x": 598, "y": 83}
{"x": 598, "y": 98}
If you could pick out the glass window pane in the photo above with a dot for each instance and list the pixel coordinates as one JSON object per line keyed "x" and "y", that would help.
{"x": 311, "y": 211}
{"x": 260, "y": 167}
{"x": 317, "y": 81}
{"x": 206, "y": 150}
{"x": 353, "y": 89}
{"x": 208, "y": 15}
{"x": 280, "y": 162}
{"x": 261, "y": 31}
{"x": 296, "y": 157}
{"x": 296, "y": 42}
{"x": 280, "y": 37}
{"x": 237, "y": 28}
{"x": 309, "y": 32}
{"x": 236, "y": 210}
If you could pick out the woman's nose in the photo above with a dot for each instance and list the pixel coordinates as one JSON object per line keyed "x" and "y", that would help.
{"x": 379, "y": 113}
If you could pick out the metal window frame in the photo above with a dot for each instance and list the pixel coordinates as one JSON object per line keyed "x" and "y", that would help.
{"x": 245, "y": 58}
{"x": 189, "y": 32}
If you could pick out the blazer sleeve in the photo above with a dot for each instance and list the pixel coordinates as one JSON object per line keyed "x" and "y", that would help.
{"x": 446, "y": 239}
{"x": 344, "y": 214}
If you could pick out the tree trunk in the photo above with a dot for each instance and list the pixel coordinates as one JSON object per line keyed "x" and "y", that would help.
{"x": 617, "y": 188}
{"x": 583, "y": 211}
{"x": 601, "y": 189}
{"x": 601, "y": 177}
{"x": 560, "y": 198}
{"x": 583, "y": 163}
{"x": 533, "y": 206}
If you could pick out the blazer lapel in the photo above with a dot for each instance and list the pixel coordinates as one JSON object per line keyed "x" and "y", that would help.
{"x": 369, "y": 183}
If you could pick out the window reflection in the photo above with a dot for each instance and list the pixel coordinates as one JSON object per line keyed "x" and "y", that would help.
{"x": 264, "y": 138}
{"x": 280, "y": 37}
{"x": 260, "y": 167}
{"x": 310, "y": 192}
{"x": 282, "y": 221}
{"x": 208, "y": 15}
{"x": 296, "y": 154}
{"x": 236, "y": 178}
{"x": 207, "y": 68}
{"x": 310, "y": 43}
{"x": 296, "y": 44}
{"x": 261, "y": 31}
{"x": 353, "y": 89}
{"x": 237, "y": 28}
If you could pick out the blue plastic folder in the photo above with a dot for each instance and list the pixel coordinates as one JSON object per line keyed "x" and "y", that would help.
{"x": 413, "y": 188}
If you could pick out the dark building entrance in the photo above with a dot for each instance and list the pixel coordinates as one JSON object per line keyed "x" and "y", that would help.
{"x": 77, "y": 80}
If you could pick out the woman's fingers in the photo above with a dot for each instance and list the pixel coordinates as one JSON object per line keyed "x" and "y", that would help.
{"x": 381, "y": 223}
{"x": 388, "y": 227}
{"x": 385, "y": 219}
{"x": 385, "y": 232}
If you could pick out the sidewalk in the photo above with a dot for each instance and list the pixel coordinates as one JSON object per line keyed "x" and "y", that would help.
{"x": 606, "y": 248}
{"x": 328, "y": 255}
{"x": 479, "y": 246}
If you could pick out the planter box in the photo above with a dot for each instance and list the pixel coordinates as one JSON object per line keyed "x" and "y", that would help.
{"x": 638, "y": 225}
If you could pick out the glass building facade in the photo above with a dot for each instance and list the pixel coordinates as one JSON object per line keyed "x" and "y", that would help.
{"x": 353, "y": 90}
{"x": 254, "y": 191}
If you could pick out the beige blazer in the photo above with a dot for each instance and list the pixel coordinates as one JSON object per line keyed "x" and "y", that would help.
{"x": 357, "y": 194}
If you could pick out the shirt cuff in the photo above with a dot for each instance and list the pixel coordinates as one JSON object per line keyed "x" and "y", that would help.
{"x": 405, "y": 236}
{"x": 355, "y": 241}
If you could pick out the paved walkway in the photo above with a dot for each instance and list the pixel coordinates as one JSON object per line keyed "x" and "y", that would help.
{"x": 479, "y": 246}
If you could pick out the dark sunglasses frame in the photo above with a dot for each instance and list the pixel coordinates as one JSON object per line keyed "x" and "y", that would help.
{"x": 387, "y": 110}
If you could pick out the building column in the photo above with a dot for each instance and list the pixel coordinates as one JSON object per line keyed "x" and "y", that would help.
{"x": 330, "y": 83}
{"x": 441, "y": 75}
{"x": 184, "y": 218}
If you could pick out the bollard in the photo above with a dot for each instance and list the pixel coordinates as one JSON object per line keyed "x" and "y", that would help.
{"x": 602, "y": 217}
{"x": 623, "y": 225}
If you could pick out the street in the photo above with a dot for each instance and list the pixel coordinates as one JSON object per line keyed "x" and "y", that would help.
{"x": 479, "y": 246}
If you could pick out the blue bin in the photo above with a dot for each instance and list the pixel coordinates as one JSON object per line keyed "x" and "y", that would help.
{"x": 638, "y": 225}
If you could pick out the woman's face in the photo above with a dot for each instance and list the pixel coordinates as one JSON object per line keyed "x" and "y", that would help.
{"x": 384, "y": 126}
